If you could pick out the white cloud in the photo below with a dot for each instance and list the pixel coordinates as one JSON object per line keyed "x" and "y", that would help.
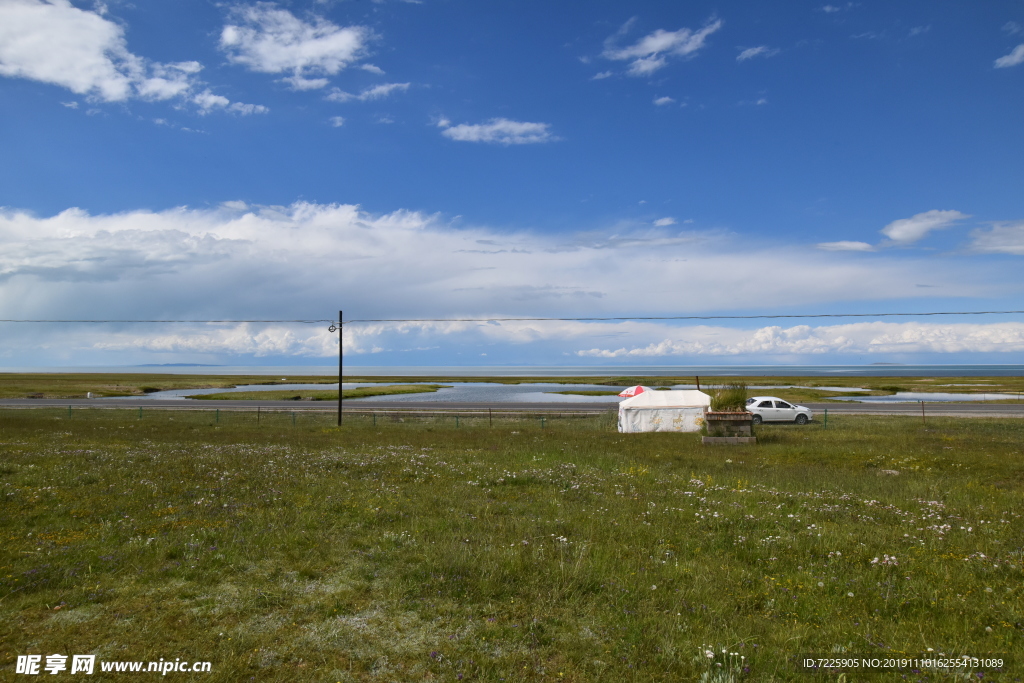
{"x": 208, "y": 101}
{"x": 501, "y": 131}
{"x": 759, "y": 51}
{"x": 271, "y": 40}
{"x": 665, "y": 222}
{"x": 832, "y": 9}
{"x": 845, "y": 246}
{"x": 908, "y": 230}
{"x": 662, "y": 101}
{"x": 279, "y": 257}
{"x": 1012, "y": 28}
{"x": 649, "y": 54}
{"x": 602, "y": 75}
{"x": 1015, "y": 57}
{"x": 52, "y": 41}
{"x": 246, "y": 109}
{"x": 920, "y": 30}
{"x": 336, "y": 121}
{"x": 1002, "y": 238}
{"x": 377, "y": 92}
{"x": 274, "y": 261}
{"x": 873, "y": 338}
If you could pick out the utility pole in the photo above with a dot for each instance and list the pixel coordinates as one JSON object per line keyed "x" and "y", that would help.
{"x": 341, "y": 358}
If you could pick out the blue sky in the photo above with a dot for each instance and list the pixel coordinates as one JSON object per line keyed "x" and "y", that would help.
{"x": 196, "y": 159}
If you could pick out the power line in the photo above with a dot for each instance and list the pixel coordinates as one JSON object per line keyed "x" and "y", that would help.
{"x": 672, "y": 317}
{"x": 308, "y": 321}
{"x": 170, "y": 321}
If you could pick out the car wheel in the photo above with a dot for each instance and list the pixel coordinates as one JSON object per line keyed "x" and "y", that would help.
{"x": 801, "y": 419}
{"x": 756, "y": 420}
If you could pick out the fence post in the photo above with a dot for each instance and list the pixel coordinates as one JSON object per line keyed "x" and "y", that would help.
{"x": 217, "y": 418}
{"x": 490, "y": 418}
{"x": 542, "y": 423}
{"x": 140, "y": 411}
{"x": 293, "y": 418}
{"x": 825, "y": 426}
{"x": 456, "y": 420}
{"x": 69, "y": 411}
{"x": 375, "y": 419}
{"x": 258, "y": 409}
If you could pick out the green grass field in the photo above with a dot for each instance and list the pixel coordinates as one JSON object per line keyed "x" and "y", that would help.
{"x": 77, "y": 385}
{"x": 522, "y": 551}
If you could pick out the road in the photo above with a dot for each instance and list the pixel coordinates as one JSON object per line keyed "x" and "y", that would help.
{"x": 365, "y": 406}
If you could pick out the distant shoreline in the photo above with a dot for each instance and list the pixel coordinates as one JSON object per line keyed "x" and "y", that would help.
{"x": 870, "y": 370}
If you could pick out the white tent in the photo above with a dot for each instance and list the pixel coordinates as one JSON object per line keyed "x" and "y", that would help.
{"x": 663, "y": 411}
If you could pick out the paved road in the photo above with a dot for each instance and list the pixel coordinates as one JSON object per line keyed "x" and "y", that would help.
{"x": 363, "y": 406}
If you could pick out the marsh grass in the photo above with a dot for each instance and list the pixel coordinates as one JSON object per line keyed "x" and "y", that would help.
{"x": 526, "y": 550}
{"x": 731, "y": 397}
{"x": 77, "y": 385}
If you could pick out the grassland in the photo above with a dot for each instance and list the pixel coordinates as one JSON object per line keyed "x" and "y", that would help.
{"x": 77, "y": 385}
{"x": 805, "y": 389}
{"x": 565, "y": 552}
{"x": 312, "y": 395}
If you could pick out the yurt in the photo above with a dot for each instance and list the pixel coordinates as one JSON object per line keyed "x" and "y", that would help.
{"x": 664, "y": 411}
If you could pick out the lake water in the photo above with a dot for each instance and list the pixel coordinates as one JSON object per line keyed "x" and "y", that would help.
{"x": 461, "y": 392}
{"x": 543, "y": 392}
{"x": 927, "y": 397}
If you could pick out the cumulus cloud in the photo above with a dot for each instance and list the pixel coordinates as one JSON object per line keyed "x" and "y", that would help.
{"x": 665, "y": 222}
{"x": 651, "y": 53}
{"x": 499, "y": 131}
{"x": 845, "y": 245}
{"x": 208, "y": 101}
{"x": 268, "y": 39}
{"x": 306, "y": 260}
{"x": 909, "y": 230}
{"x": 1015, "y": 57}
{"x": 662, "y": 101}
{"x": 52, "y": 41}
{"x": 804, "y": 340}
{"x": 759, "y": 51}
{"x": 377, "y": 92}
{"x": 1002, "y": 238}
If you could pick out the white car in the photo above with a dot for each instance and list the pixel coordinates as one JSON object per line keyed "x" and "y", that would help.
{"x": 774, "y": 409}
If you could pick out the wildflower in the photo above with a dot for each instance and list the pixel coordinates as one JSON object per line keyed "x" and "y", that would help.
{"x": 849, "y": 595}
{"x": 821, "y": 584}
